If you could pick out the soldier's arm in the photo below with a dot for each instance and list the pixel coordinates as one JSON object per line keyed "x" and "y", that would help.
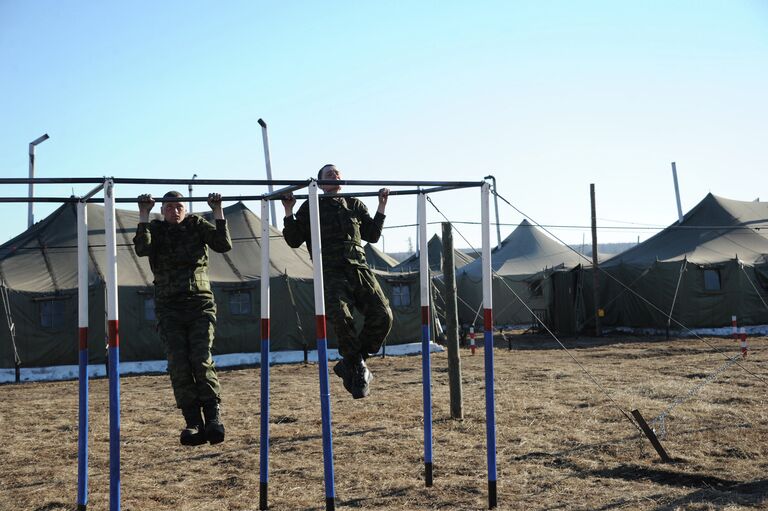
{"x": 142, "y": 241}
{"x": 217, "y": 236}
{"x": 296, "y": 227}
{"x": 370, "y": 228}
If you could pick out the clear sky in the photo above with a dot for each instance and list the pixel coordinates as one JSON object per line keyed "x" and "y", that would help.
{"x": 548, "y": 96}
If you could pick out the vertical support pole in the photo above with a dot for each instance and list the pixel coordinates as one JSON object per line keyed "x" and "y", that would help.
{"x": 452, "y": 324}
{"x": 113, "y": 340}
{"x": 426, "y": 361}
{"x": 490, "y": 411}
{"x": 677, "y": 194}
{"x": 322, "y": 345}
{"x": 264, "y": 444}
{"x": 82, "y": 336}
{"x": 595, "y": 268}
{"x": 268, "y": 162}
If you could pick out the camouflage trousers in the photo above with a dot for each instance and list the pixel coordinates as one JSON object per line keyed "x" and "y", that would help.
{"x": 187, "y": 332}
{"x": 354, "y": 287}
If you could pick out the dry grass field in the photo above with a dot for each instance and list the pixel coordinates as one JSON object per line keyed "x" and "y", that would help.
{"x": 562, "y": 443}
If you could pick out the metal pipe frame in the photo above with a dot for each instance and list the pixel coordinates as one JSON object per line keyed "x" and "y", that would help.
{"x": 107, "y": 184}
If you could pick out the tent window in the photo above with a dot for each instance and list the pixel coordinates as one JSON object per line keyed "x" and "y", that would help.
{"x": 51, "y": 313}
{"x": 240, "y": 303}
{"x": 401, "y": 295}
{"x": 712, "y": 280}
{"x": 149, "y": 309}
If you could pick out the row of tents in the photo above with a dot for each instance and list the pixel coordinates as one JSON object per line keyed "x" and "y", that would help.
{"x": 700, "y": 271}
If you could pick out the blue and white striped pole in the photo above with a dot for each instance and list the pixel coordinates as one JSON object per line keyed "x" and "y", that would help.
{"x": 322, "y": 346}
{"x": 82, "y": 336}
{"x": 490, "y": 413}
{"x": 426, "y": 361}
{"x": 264, "y": 444}
{"x": 113, "y": 340}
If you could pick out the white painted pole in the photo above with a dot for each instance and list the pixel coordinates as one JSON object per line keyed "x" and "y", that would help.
{"x": 426, "y": 361}
{"x": 113, "y": 339}
{"x": 190, "y": 191}
{"x": 677, "y": 194}
{"x": 82, "y": 336}
{"x": 490, "y": 409}
{"x": 264, "y": 361}
{"x": 322, "y": 345}
{"x": 268, "y": 162}
{"x": 31, "y": 206}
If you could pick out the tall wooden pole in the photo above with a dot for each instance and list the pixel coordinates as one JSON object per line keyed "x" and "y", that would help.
{"x": 595, "y": 268}
{"x": 452, "y": 324}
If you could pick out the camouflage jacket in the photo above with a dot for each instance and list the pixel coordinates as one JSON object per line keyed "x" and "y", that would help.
{"x": 344, "y": 222}
{"x": 178, "y": 254}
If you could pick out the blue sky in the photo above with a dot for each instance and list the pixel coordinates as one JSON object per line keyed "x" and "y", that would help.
{"x": 547, "y": 96}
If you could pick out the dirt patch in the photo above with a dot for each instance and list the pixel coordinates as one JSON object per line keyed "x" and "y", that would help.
{"x": 562, "y": 443}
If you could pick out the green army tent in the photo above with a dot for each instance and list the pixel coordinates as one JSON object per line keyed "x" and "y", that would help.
{"x": 377, "y": 259}
{"x": 39, "y": 270}
{"x": 702, "y": 270}
{"x": 521, "y": 267}
{"x": 435, "y": 257}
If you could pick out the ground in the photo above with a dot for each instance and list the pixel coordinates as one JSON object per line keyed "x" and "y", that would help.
{"x": 563, "y": 442}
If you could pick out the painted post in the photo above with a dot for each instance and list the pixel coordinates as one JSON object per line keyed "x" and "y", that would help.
{"x": 322, "y": 345}
{"x": 264, "y": 444}
{"x": 82, "y": 336}
{"x": 490, "y": 412}
{"x": 426, "y": 361}
{"x": 113, "y": 340}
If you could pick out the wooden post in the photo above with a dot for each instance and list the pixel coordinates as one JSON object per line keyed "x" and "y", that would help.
{"x": 452, "y": 324}
{"x": 651, "y": 436}
{"x": 595, "y": 268}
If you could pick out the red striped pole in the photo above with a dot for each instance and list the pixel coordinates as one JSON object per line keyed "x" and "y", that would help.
{"x": 82, "y": 341}
{"x": 264, "y": 444}
{"x": 113, "y": 342}
{"x": 743, "y": 339}
{"x": 490, "y": 409}
{"x": 322, "y": 346}
{"x": 426, "y": 360}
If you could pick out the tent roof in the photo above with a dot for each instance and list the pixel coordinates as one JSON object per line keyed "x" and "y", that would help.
{"x": 527, "y": 251}
{"x": 378, "y": 259}
{"x": 44, "y": 257}
{"x": 715, "y": 230}
{"x": 435, "y": 256}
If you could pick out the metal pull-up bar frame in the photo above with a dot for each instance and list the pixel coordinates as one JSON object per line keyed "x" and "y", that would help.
{"x": 109, "y": 200}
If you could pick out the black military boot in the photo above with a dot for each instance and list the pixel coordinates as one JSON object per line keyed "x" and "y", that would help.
{"x": 361, "y": 379}
{"x": 343, "y": 370}
{"x": 194, "y": 433}
{"x": 214, "y": 429}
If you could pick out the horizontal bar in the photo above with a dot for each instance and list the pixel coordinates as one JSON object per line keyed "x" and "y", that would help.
{"x": 237, "y": 182}
{"x": 223, "y": 182}
{"x": 277, "y": 194}
{"x": 459, "y": 184}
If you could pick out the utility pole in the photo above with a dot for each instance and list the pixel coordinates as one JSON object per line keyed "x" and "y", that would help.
{"x": 452, "y": 325}
{"x": 595, "y": 268}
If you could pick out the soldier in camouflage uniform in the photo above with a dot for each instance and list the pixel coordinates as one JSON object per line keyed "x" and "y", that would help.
{"x": 349, "y": 282}
{"x": 177, "y": 247}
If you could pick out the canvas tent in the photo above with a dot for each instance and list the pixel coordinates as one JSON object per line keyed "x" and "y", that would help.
{"x": 702, "y": 270}
{"x": 39, "y": 268}
{"x": 435, "y": 257}
{"x": 521, "y": 266}
{"x": 377, "y": 259}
